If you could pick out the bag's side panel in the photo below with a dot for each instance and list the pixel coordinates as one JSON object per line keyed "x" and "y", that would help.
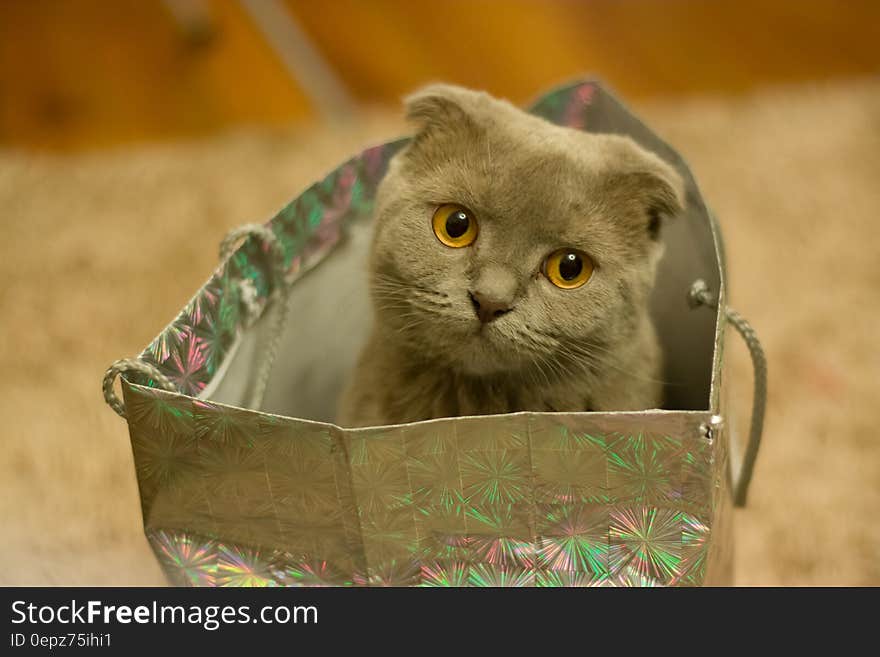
{"x": 166, "y": 454}
{"x": 384, "y": 497}
{"x": 652, "y": 522}
{"x": 311, "y": 500}
{"x": 237, "y": 497}
{"x": 537, "y": 500}
{"x": 720, "y": 570}
{"x": 707, "y": 514}
{"x": 719, "y": 560}
{"x": 233, "y": 497}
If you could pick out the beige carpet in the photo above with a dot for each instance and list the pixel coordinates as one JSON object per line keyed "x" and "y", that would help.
{"x": 100, "y": 251}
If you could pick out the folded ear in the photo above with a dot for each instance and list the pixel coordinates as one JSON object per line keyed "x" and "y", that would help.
{"x": 640, "y": 176}
{"x": 443, "y": 107}
{"x": 663, "y": 193}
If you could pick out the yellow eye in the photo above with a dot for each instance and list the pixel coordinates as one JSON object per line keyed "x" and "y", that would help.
{"x": 454, "y": 225}
{"x": 568, "y": 269}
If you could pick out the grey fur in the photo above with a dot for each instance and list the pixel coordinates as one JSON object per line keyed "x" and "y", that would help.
{"x": 533, "y": 187}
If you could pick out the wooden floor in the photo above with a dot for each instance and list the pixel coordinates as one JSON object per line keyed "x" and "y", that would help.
{"x": 89, "y": 73}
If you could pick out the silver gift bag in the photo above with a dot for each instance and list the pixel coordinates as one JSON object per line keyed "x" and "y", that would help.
{"x": 245, "y": 480}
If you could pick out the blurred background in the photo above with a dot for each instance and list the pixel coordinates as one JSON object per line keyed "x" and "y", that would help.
{"x": 135, "y": 133}
{"x": 82, "y": 74}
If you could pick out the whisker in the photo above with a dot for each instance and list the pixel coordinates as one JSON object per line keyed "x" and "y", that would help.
{"x": 389, "y": 282}
{"x": 607, "y": 362}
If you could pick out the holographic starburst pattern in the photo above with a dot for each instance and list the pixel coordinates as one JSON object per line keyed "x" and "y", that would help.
{"x": 568, "y": 579}
{"x": 572, "y": 475}
{"x": 216, "y": 425}
{"x": 237, "y": 566}
{"x": 188, "y": 365}
{"x": 395, "y": 572}
{"x": 500, "y": 534}
{"x": 234, "y": 497}
{"x": 451, "y": 573}
{"x": 162, "y": 413}
{"x": 169, "y": 341}
{"x": 312, "y": 573}
{"x": 647, "y": 541}
{"x": 161, "y": 428}
{"x": 436, "y": 482}
{"x": 382, "y": 485}
{"x": 490, "y": 575}
{"x": 695, "y": 544}
{"x": 192, "y": 560}
{"x": 574, "y": 539}
{"x": 644, "y": 467}
{"x": 497, "y": 477}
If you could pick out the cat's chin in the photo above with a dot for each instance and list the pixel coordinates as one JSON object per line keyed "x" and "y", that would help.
{"x": 484, "y": 355}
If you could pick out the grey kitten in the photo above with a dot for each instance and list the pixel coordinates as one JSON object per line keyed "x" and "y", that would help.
{"x": 510, "y": 269}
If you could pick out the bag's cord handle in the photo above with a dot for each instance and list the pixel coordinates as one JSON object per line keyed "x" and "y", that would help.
{"x": 282, "y": 310}
{"x": 700, "y": 295}
{"x": 131, "y": 365}
{"x": 227, "y": 246}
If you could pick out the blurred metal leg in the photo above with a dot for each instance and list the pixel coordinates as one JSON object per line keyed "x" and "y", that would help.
{"x": 193, "y": 18}
{"x": 301, "y": 58}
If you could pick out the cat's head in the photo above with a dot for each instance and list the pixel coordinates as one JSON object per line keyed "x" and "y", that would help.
{"x": 504, "y": 242}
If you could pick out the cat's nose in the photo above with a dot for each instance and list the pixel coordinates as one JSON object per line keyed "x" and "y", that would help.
{"x": 488, "y": 309}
